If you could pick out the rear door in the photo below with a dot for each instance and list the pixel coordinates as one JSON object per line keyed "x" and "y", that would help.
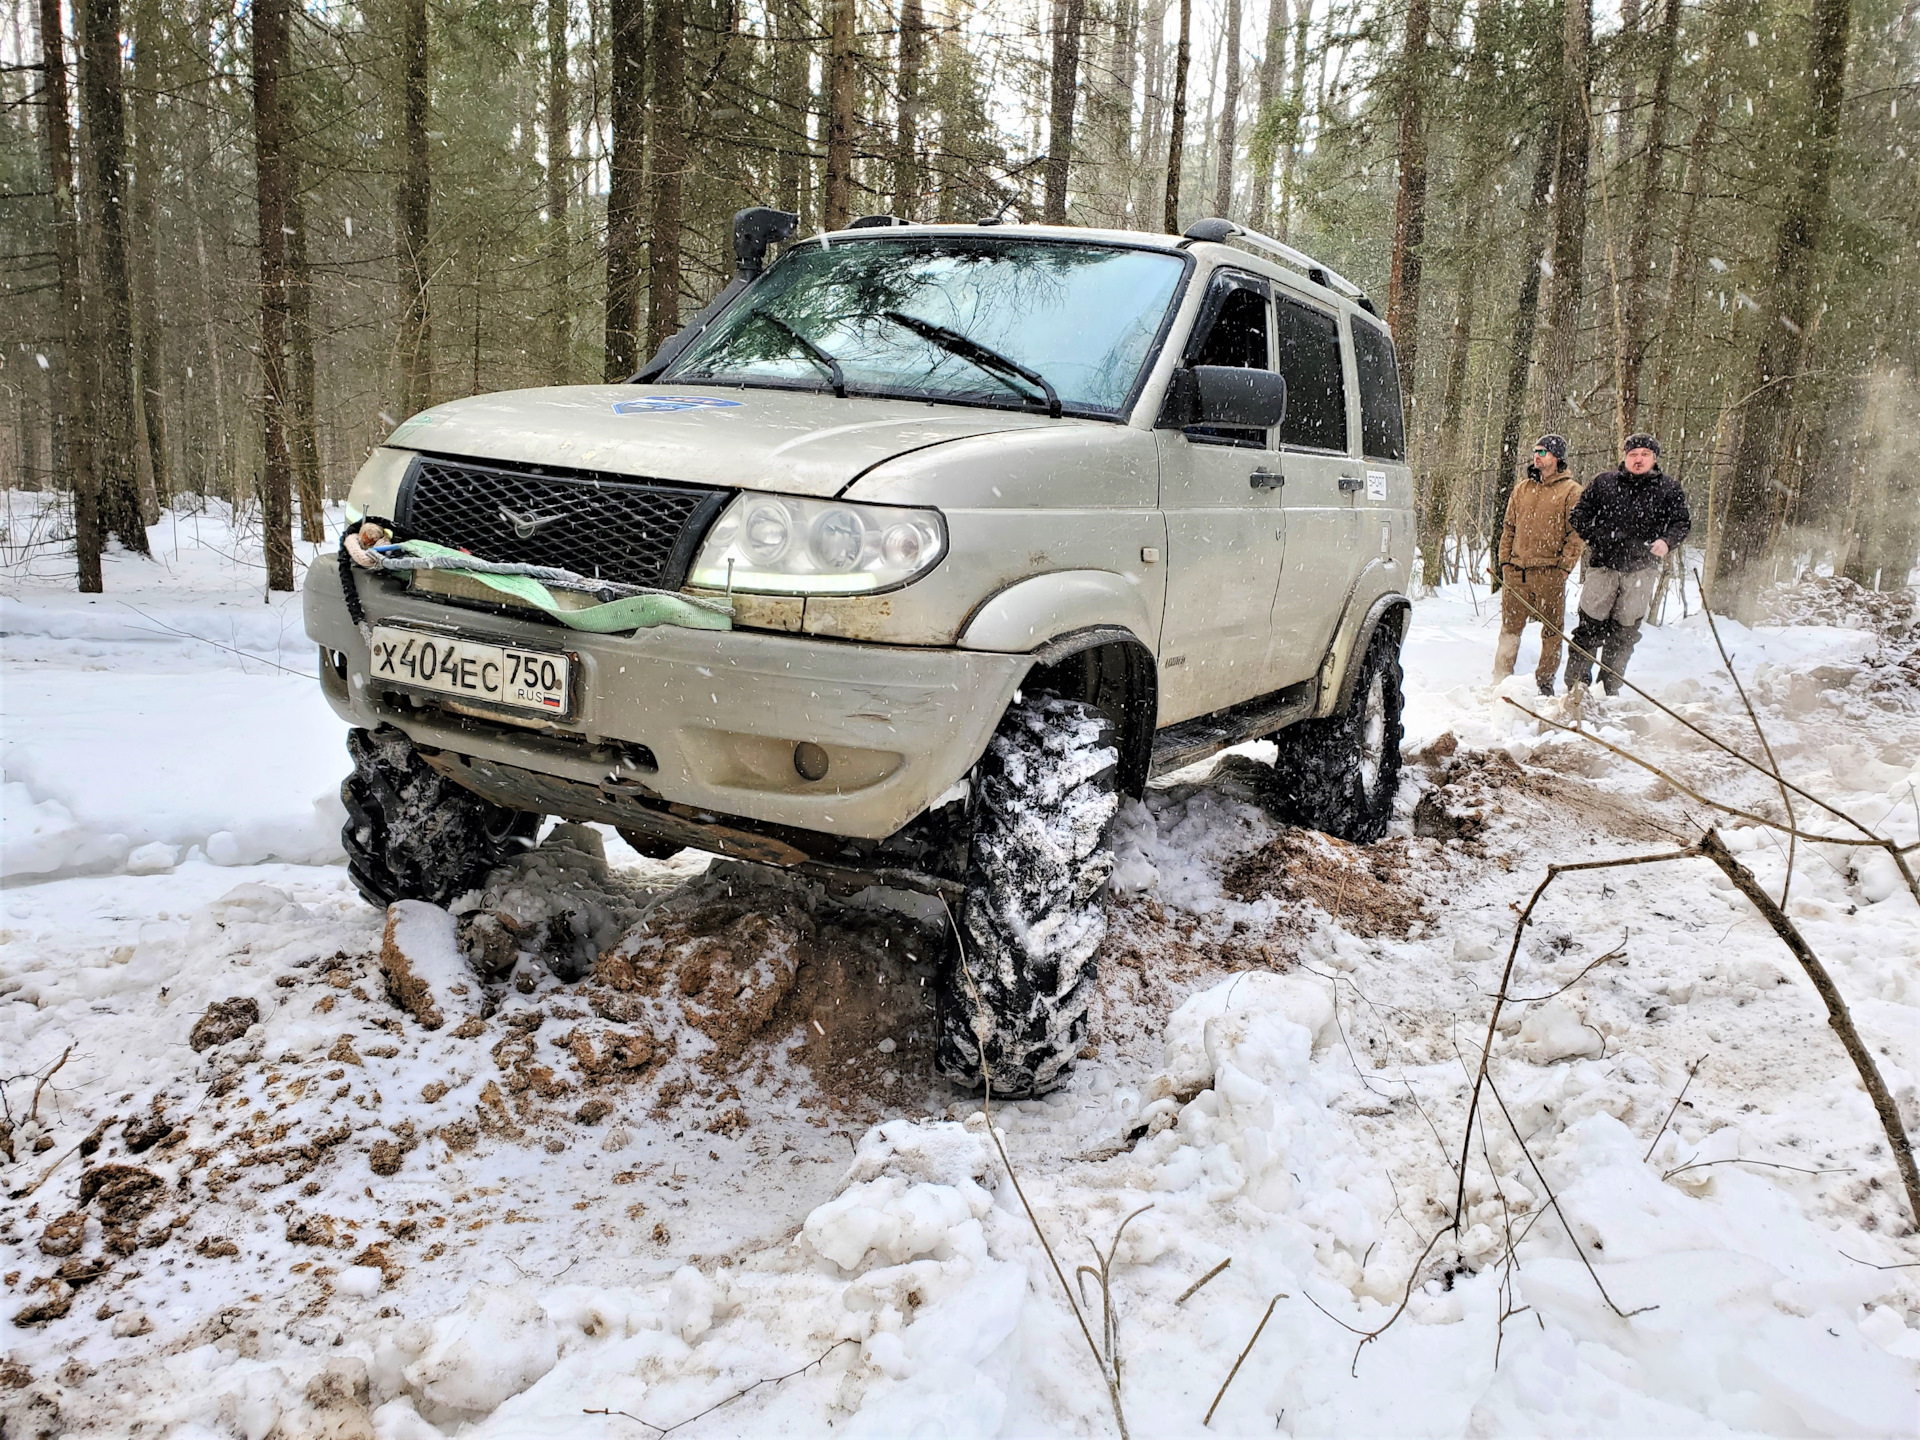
{"x": 1323, "y": 478}
{"x": 1386, "y": 501}
{"x": 1226, "y": 525}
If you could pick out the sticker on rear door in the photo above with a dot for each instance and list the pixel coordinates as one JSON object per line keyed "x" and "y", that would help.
{"x": 1376, "y": 484}
{"x": 659, "y": 404}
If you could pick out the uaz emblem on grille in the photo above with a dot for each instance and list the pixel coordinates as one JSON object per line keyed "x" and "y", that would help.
{"x": 526, "y": 526}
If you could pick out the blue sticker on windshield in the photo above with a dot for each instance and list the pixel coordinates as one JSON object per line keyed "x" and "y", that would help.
{"x": 656, "y": 404}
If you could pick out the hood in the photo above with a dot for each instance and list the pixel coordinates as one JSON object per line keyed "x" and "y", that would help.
{"x": 798, "y": 442}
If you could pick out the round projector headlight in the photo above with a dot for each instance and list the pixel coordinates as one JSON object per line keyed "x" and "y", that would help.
{"x": 767, "y": 531}
{"x": 837, "y": 538}
{"x": 903, "y": 545}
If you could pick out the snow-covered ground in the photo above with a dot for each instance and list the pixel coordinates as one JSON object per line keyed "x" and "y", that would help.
{"x": 720, "y": 1164}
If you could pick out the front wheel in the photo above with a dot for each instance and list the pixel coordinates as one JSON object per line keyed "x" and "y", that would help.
{"x": 1339, "y": 774}
{"x": 1013, "y": 1000}
{"x": 411, "y": 833}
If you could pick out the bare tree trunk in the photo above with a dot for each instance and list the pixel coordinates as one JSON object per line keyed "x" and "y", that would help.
{"x": 1520, "y": 357}
{"x": 667, "y": 53}
{"x": 906, "y": 144}
{"x": 104, "y": 136}
{"x": 303, "y": 409}
{"x": 1230, "y": 114}
{"x": 1640, "y": 243}
{"x": 837, "y": 200}
{"x": 626, "y": 186}
{"x": 1444, "y": 474}
{"x": 1681, "y": 263}
{"x": 1410, "y": 203}
{"x": 72, "y": 426}
{"x": 1153, "y": 118}
{"x": 1266, "y": 127}
{"x": 1569, "y": 218}
{"x": 790, "y": 100}
{"x": 270, "y": 179}
{"x": 146, "y": 239}
{"x": 559, "y": 191}
{"x": 1177, "y": 125}
{"x": 413, "y": 210}
{"x": 1069, "y": 19}
{"x": 1746, "y": 539}
{"x": 1296, "y": 116}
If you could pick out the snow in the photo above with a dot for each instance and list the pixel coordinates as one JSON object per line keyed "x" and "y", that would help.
{"x": 1274, "y": 1084}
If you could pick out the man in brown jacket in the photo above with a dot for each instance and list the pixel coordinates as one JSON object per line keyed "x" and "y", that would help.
{"x": 1538, "y": 550}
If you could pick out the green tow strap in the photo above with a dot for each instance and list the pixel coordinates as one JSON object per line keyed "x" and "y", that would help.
{"x": 630, "y": 612}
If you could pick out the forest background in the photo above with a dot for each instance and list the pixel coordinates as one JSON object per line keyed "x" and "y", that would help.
{"x": 239, "y": 243}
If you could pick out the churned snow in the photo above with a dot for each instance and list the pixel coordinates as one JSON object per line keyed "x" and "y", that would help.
{"x": 346, "y": 1236}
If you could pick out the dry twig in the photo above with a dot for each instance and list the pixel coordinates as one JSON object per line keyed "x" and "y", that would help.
{"x": 1193, "y": 1289}
{"x": 1243, "y": 1356}
{"x": 1674, "y": 1109}
{"x": 748, "y": 1390}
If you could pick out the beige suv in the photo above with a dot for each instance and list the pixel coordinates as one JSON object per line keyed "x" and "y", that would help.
{"x": 906, "y": 560}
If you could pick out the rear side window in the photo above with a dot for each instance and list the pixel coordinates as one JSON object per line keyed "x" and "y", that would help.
{"x": 1382, "y": 432}
{"x": 1316, "y": 386}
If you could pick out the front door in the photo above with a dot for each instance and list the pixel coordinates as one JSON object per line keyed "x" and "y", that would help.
{"x": 1226, "y": 523}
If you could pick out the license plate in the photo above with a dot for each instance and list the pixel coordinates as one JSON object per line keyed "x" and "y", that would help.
{"x": 498, "y": 674}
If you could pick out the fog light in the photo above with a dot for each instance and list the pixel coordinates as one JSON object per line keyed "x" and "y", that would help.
{"x": 810, "y": 761}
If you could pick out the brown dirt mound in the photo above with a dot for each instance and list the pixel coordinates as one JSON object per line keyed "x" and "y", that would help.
{"x": 1364, "y": 889}
{"x": 1474, "y": 789}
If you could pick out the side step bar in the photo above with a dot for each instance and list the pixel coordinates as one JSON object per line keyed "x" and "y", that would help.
{"x": 1179, "y": 746}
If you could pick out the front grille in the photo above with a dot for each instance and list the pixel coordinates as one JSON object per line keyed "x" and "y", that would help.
{"x": 636, "y": 532}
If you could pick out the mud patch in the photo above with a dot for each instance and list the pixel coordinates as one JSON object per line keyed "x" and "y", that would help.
{"x": 1365, "y": 889}
{"x": 1477, "y": 793}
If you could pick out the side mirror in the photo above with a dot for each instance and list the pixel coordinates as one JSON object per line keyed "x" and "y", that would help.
{"x": 1242, "y": 399}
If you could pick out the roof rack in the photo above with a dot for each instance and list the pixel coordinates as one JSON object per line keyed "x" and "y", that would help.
{"x": 1220, "y": 231}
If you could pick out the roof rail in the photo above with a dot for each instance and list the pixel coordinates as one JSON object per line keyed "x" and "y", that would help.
{"x": 1220, "y": 231}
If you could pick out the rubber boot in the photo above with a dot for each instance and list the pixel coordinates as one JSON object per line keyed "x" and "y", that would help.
{"x": 1614, "y": 655}
{"x": 1589, "y": 636}
{"x": 1506, "y": 652}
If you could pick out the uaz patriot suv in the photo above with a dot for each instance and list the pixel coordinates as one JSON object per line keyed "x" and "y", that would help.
{"x": 905, "y": 561}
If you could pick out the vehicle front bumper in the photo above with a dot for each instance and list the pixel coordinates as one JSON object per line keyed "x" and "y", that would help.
{"x": 700, "y": 722}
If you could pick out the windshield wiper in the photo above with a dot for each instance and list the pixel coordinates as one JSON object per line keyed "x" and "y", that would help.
{"x": 814, "y": 353}
{"x": 987, "y": 358}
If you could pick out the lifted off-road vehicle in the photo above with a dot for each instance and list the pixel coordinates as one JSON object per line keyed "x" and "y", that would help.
{"x": 902, "y": 564}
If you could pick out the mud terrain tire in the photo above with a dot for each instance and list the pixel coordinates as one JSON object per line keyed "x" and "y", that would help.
{"x": 1044, "y": 798}
{"x": 412, "y": 834}
{"x": 1338, "y": 775}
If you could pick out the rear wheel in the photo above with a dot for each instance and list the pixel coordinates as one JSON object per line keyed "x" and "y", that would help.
{"x": 411, "y": 833}
{"x": 1339, "y": 774}
{"x": 1013, "y": 999}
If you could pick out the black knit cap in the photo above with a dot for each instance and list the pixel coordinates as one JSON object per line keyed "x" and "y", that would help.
{"x": 1642, "y": 441}
{"x": 1555, "y": 445}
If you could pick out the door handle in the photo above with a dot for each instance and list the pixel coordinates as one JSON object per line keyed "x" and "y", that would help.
{"x": 1349, "y": 483}
{"x": 1265, "y": 479}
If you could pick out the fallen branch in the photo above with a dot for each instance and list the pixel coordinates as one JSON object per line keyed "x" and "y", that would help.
{"x": 1243, "y": 1356}
{"x": 1193, "y": 1289}
{"x": 1838, "y": 1016}
{"x": 1786, "y": 800}
{"x": 1367, "y": 1337}
{"x": 1769, "y": 1164}
{"x": 766, "y": 1380}
{"x": 34, "y": 1112}
{"x": 1554, "y": 872}
{"x": 1692, "y": 1070}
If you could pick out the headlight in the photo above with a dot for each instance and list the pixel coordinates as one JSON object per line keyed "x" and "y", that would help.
{"x": 376, "y": 489}
{"x": 783, "y": 545}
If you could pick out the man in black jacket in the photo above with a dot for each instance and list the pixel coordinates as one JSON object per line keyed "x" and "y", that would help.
{"x": 1630, "y": 518}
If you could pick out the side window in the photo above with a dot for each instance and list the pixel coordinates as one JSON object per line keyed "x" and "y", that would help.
{"x": 1237, "y": 337}
{"x": 1316, "y": 385}
{"x": 1382, "y": 433}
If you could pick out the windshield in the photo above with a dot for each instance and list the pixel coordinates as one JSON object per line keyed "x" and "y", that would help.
{"x": 1083, "y": 316}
